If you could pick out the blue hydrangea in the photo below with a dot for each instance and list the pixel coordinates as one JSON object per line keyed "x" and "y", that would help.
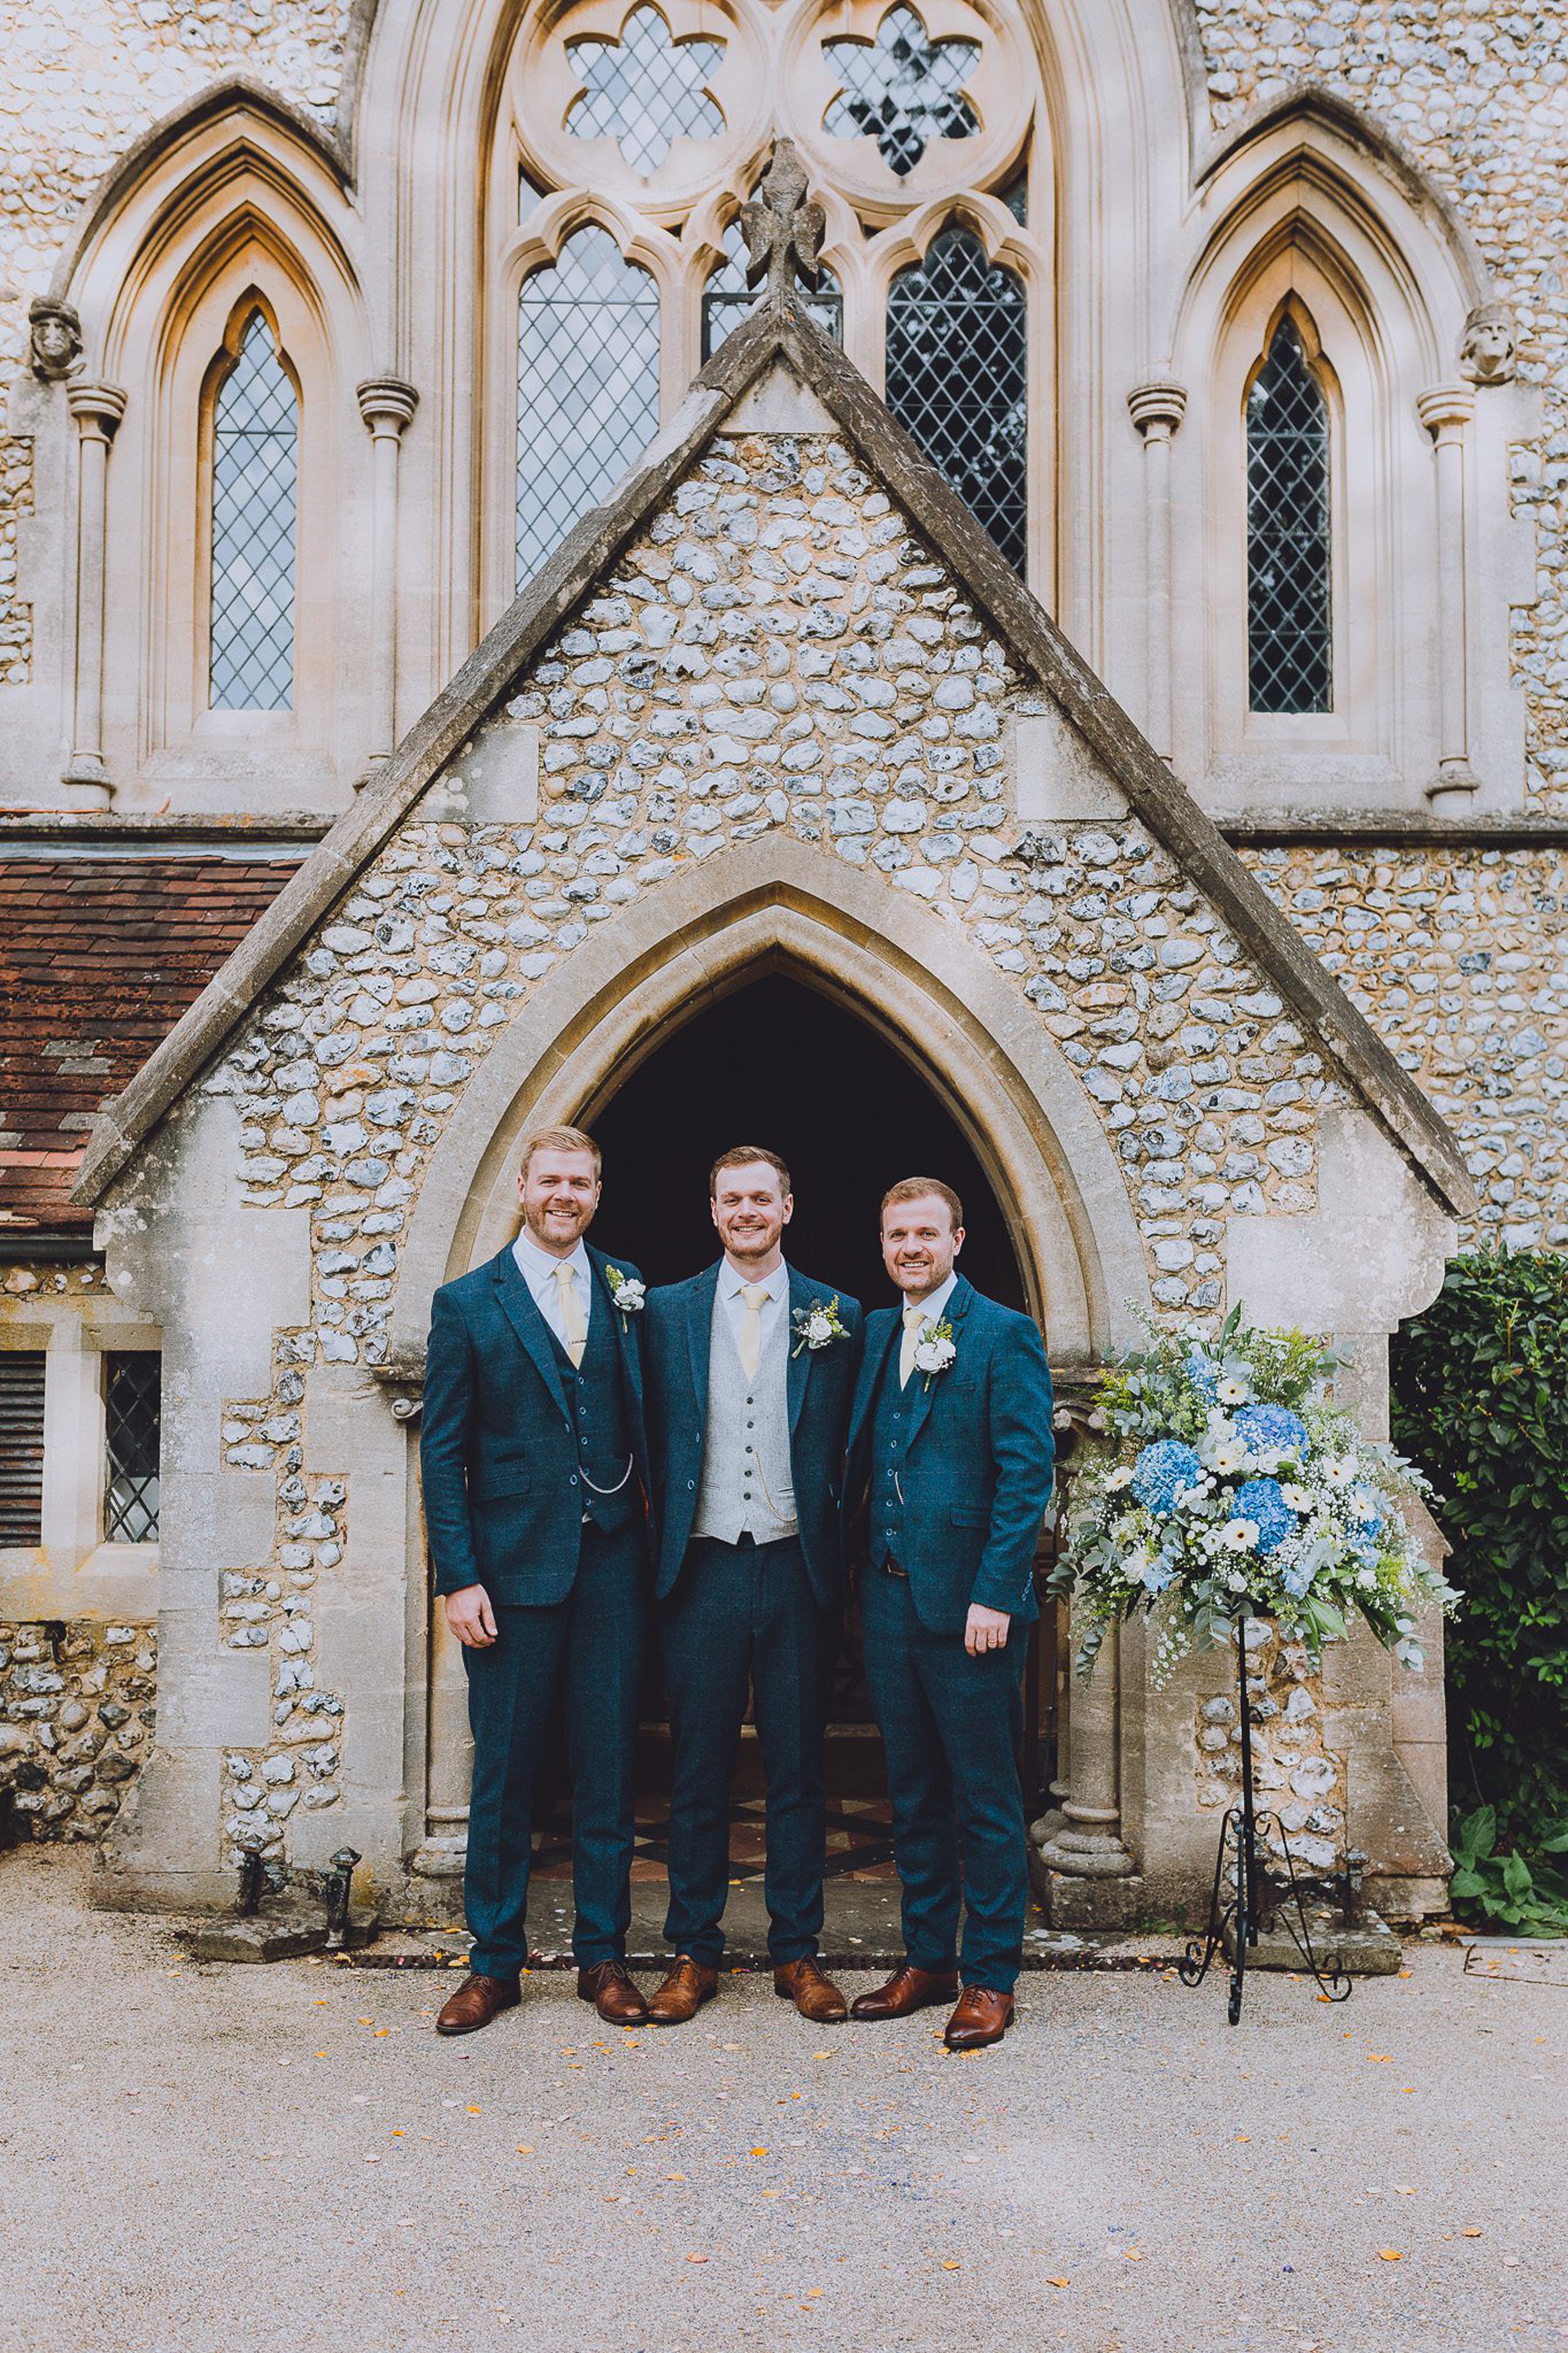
{"x": 1204, "y": 1375}
{"x": 1272, "y": 1429}
{"x": 1296, "y": 1581}
{"x": 1261, "y": 1501}
{"x": 1162, "y": 1470}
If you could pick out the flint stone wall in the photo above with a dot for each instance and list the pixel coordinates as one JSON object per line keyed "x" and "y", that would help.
{"x": 78, "y": 1706}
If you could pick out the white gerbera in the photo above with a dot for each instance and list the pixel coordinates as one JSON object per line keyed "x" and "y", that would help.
{"x": 1239, "y": 1534}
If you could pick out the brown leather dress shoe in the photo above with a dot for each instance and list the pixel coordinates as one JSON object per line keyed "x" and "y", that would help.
{"x": 614, "y": 1992}
{"x": 683, "y": 1993}
{"x": 475, "y": 2002}
{"x": 983, "y": 2017}
{"x": 907, "y": 1989}
{"x": 814, "y": 1996}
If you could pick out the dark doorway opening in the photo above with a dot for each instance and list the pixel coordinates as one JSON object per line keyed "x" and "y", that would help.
{"x": 777, "y": 1063}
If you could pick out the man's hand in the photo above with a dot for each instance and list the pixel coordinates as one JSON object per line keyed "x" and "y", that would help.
{"x": 471, "y": 1619}
{"x": 986, "y": 1629}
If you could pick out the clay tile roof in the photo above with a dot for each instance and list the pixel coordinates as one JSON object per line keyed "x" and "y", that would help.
{"x": 99, "y": 958}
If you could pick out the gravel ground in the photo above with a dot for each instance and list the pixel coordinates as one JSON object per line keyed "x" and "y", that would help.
{"x": 232, "y": 2160}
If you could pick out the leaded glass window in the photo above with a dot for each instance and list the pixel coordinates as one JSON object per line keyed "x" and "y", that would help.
{"x": 587, "y": 379}
{"x": 255, "y": 515}
{"x": 727, "y": 299}
{"x": 132, "y": 1399}
{"x": 957, "y": 376}
{"x": 645, "y": 90}
{"x": 903, "y": 89}
{"x": 1290, "y": 644}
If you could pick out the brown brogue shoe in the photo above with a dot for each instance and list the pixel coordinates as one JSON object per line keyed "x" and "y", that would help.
{"x": 907, "y": 1989}
{"x": 477, "y": 2001}
{"x": 983, "y": 2017}
{"x": 614, "y": 1992}
{"x": 683, "y": 1993}
{"x": 814, "y": 1996}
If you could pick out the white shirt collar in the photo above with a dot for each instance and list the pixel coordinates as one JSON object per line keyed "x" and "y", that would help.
{"x": 775, "y": 1285}
{"x": 538, "y": 1267}
{"x": 934, "y": 1308}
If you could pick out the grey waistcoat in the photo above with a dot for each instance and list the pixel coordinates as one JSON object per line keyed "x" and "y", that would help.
{"x": 747, "y": 1493}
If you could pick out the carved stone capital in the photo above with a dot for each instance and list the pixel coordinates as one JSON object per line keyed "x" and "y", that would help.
{"x": 1157, "y": 407}
{"x": 97, "y": 408}
{"x": 1445, "y": 408}
{"x": 386, "y": 403}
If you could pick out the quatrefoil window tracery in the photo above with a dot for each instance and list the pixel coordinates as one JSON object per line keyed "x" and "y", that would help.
{"x": 645, "y": 90}
{"x": 903, "y": 89}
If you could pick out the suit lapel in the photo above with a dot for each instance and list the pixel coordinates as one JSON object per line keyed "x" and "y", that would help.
{"x": 700, "y": 1334}
{"x": 872, "y": 1372}
{"x": 522, "y": 1313}
{"x": 801, "y": 1295}
{"x": 631, "y": 1356}
{"x": 926, "y": 1386}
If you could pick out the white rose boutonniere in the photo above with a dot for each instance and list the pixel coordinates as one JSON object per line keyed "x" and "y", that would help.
{"x": 630, "y": 1294}
{"x": 818, "y": 1325}
{"x": 935, "y": 1350}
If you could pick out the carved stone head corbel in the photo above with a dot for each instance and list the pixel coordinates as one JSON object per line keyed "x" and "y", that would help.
{"x": 1486, "y": 348}
{"x": 57, "y": 350}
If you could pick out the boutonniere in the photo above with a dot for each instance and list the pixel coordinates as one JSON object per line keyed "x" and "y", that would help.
{"x": 935, "y": 1350}
{"x": 629, "y": 1295}
{"x": 818, "y": 1325}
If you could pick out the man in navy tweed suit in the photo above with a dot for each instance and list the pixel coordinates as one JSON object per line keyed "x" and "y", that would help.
{"x": 535, "y": 1475}
{"x": 951, "y": 1448}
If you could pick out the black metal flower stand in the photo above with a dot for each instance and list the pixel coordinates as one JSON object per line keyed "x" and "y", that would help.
{"x": 1245, "y": 1894}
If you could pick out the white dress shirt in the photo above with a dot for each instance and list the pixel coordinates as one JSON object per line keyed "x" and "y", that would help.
{"x": 934, "y": 1308}
{"x": 776, "y": 1304}
{"x": 537, "y": 1269}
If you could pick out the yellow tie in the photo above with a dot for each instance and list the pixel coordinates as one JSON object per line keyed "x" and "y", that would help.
{"x": 752, "y": 1294}
{"x": 915, "y": 1320}
{"x": 574, "y": 1331}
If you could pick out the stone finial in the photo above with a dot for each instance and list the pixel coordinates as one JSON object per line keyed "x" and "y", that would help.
{"x": 782, "y": 228}
{"x": 1486, "y": 347}
{"x": 56, "y": 330}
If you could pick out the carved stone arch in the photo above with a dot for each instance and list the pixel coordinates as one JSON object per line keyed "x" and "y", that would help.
{"x": 777, "y": 905}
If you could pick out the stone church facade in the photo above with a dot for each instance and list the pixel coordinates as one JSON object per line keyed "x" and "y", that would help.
{"x": 419, "y": 701}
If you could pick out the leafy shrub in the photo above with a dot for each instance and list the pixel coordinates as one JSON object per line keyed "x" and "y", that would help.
{"x": 1502, "y": 1887}
{"x": 1480, "y": 1401}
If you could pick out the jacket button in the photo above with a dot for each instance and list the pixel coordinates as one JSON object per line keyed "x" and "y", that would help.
{"x": 574, "y": 1478}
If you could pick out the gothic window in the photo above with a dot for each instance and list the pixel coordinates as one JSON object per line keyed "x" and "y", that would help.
{"x": 727, "y": 299}
{"x": 1289, "y": 636}
{"x": 255, "y": 481}
{"x": 645, "y": 90}
{"x": 903, "y": 89}
{"x": 133, "y": 1401}
{"x": 957, "y": 371}
{"x": 587, "y": 382}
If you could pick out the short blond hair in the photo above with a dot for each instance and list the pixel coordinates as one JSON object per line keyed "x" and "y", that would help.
{"x": 743, "y": 1156}
{"x": 558, "y": 1139}
{"x": 915, "y": 1188}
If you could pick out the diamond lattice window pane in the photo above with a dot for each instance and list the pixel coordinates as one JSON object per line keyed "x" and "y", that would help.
{"x": 1289, "y": 637}
{"x": 727, "y": 299}
{"x": 132, "y": 1429}
{"x": 958, "y": 376}
{"x": 256, "y": 432}
{"x": 587, "y": 377}
{"x": 645, "y": 90}
{"x": 903, "y": 90}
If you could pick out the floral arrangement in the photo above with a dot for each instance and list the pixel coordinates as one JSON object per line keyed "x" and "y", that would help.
{"x": 818, "y": 1325}
{"x": 1229, "y": 1486}
{"x": 628, "y": 1292}
{"x": 935, "y": 1350}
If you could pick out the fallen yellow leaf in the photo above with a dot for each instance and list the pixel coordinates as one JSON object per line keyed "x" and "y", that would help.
{"x": 1472, "y": 2233}
{"x": 1391, "y": 2254}
{"x": 1057, "y": 2283}
{"x": 950, "y": 2263}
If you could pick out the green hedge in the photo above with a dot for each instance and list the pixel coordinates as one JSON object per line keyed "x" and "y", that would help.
{"x": 1480, "y": 1401}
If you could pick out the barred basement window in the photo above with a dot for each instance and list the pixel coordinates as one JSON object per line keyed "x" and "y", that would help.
{"x": 1289, "y": 643}
{"x": 21, "y": 1446}
{"x": 255, "y": 486}
{"x": 727, "y": 299}
{"x": 587, "y": 385}
{"x": 957, "y": 376}
{"x": 133, "y": 1398}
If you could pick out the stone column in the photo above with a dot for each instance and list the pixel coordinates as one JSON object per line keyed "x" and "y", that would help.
{"x": 451, "y": 1758}
{"x": 1445, "y": 411}
{"x": 387, "y": 405}
{"x": 1157, "y": 410}
{"x": 98, "y": 409}
{"x": 1087, "y": 1849}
